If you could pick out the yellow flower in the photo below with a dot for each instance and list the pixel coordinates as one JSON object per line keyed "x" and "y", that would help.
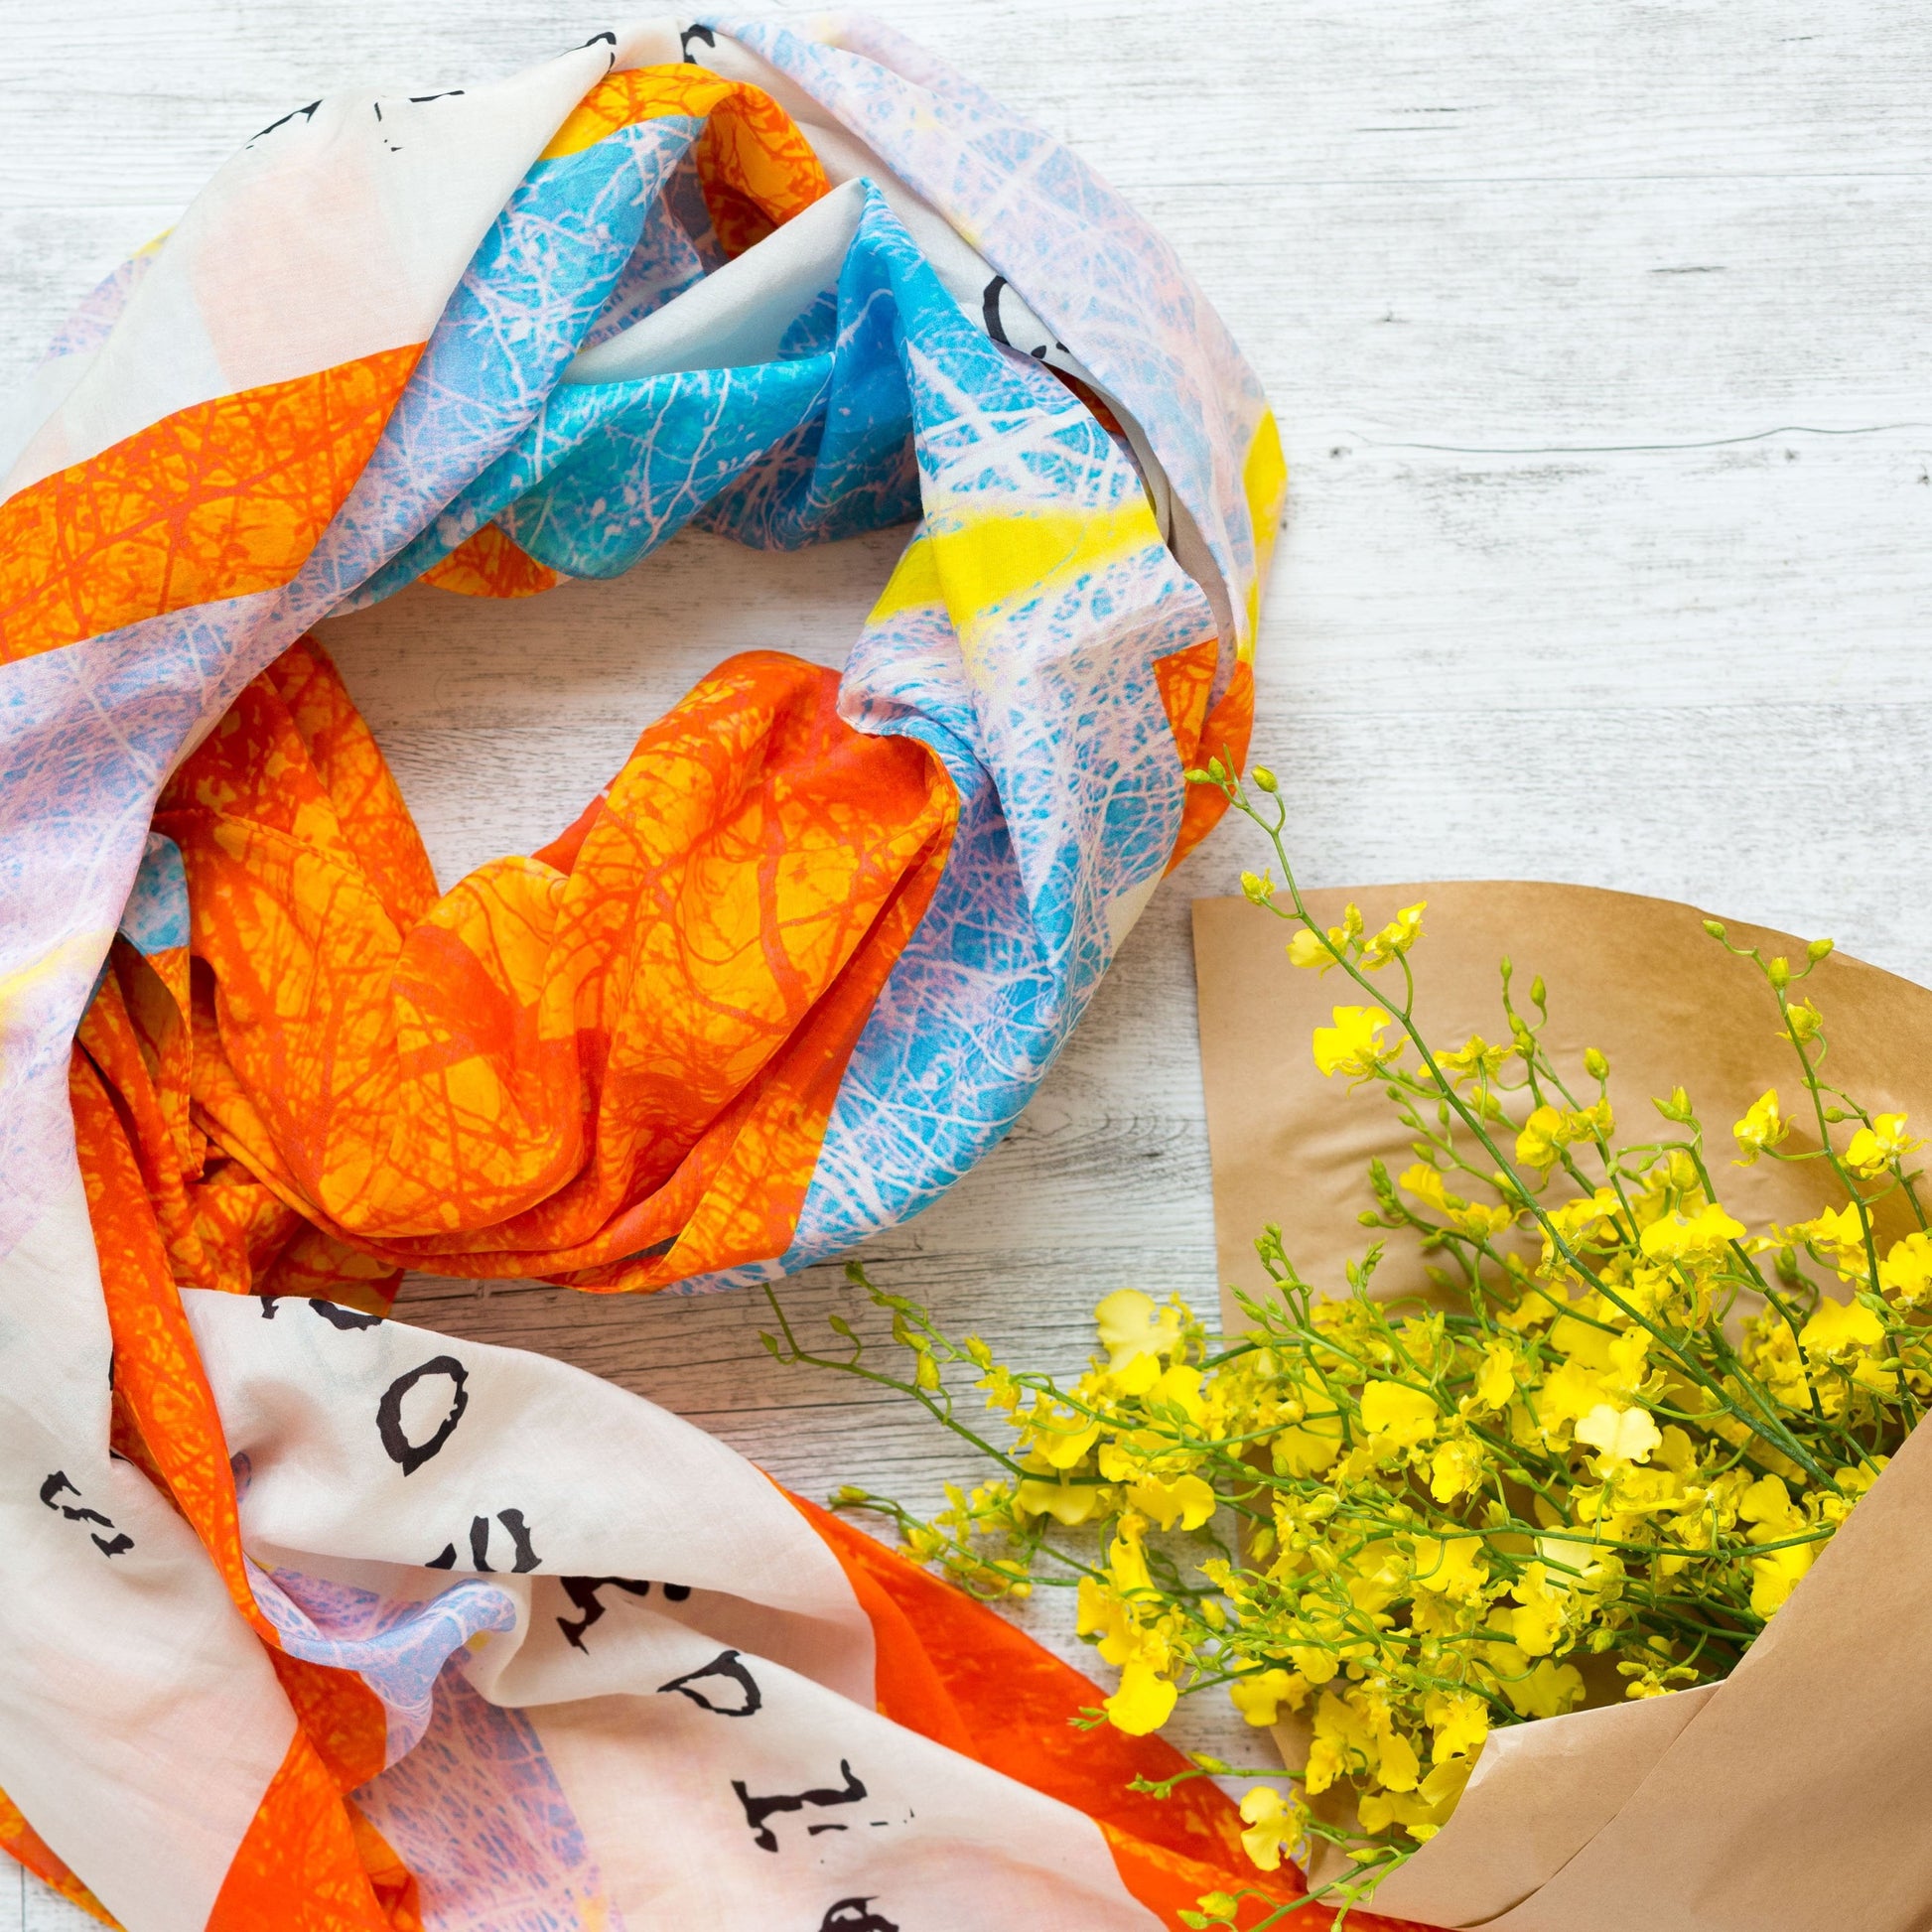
{"x": 1423, "y": 1814}
{"x": 1273, "y": 1826}
{"x": 1676, "y": 1450}
{"x": 1619, "y": 1436}
{"x": 1259, "y": 1697}
{"x": 1353, "y": 1045}
{"x": 1187, "y": 1497}
{"x": 1308, "y": 1447}
{"x": 1450, "y": 1566}
{"x": 1131, "y": 1327}
{"x": 1906, "y": 1274}
{"x": 1874, "y": 1149}
{"x": 1545, "y": 1690}
{"x": 1344, "y": 1744}
{"x": 1776, "y": 1574}
{"x": 1540, "y": 1144}
{"x": 1541, "y": 1616}
{"x": 1065, "y": 1440}
{"x": 1805, "y": 1021}
{"x": 1456, "y": 1468}
{"x": 1586, "y": 1216}
{"x": 1144, "y": 1702}
{"x": 1549, "y": 1130}
{"x": 1180, "y": 1385}
{"x": 1396, "y": 1416}
{"x": 1477, "y": 1056}
{"x": 1395, "y": 939}
{"x": 1837, "y": 1230}
{"x": 1127, "y": 1558}
{"x": 1485, "y": 1221}
{"x": 1427, "y": 1185}
{"x": 1098, "y": 1612}
{"x": 1064, "y": 1502}
{"x": 1318, "y": 1666}
{"x": 1398, "y": 1768}
{"x": 1461, "y": 1722}
{"x": 1377, "y": 1576}
{"x": 1702, "y": 1236}
{"x": 1496, "y": 1378}
{"x": 1839, "y": 1328}
{"x": 1762, "y": 1126}
{"x": 1306, "y": 949}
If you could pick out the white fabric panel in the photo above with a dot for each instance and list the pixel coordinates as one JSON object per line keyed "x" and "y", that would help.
{"x": 135, "y": 1675}
{"x": 872, "y": 1819}
{"x": 737, "y": 315}
{"x": 607, "y": 1484}
{"x": 382, "y": 201}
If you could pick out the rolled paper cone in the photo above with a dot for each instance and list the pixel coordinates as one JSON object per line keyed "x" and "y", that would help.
{"x": 1788, "y": 1798}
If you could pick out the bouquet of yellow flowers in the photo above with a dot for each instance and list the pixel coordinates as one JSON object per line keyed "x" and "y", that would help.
{"x": 1586, "y": 1467}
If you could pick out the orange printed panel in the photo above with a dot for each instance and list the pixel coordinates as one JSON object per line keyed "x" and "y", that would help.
{"x": 1185, "y": 681}
{"x": 955, "y": 1671}
{"x": 1224, "y": 735}
{"x": 612, "y": 1063}
{"x": 160, "y": 1387}
{"x": 951, "y": 1668}
{"x": 393, "y": 1883}
{"x": 755, "y": 169}
{"x": 157, "y": 1370}
{"x": 491, "y": 563}
{"x": 216, "y": 500}
{"x": 299, "y": 1867}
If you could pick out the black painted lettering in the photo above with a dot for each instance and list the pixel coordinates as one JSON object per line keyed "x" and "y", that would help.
{"x": 854, "y": 1915}
{"x": 339, "y": 1316}
{"x": 758, "y": 1810}
{"x": 727, "y": 1690}
{"x": 388, "y": 1412}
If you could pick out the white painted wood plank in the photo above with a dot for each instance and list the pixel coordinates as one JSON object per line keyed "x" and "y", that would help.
{"x": 133, "y": 98}
{"x": 1521, "y": 275}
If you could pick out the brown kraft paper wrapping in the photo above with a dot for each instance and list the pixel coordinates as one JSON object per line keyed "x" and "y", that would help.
{"x": 1796, "y": 1796}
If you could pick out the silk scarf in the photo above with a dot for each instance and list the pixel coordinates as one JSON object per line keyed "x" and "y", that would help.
{"x": 318, "y": 1619}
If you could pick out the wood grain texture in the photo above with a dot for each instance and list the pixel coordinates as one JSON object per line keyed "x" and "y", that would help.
{"x": 1596, "y": 334}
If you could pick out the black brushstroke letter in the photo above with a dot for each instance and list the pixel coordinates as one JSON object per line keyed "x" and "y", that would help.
{"x": 388, "y": 1413}
{"x": 852, "y": 1916}
{"x": 758, "y": 1809}
{"x": 726, "y": 1666}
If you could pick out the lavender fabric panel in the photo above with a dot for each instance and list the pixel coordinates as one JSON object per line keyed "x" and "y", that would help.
{"x": 397, "y": 1648}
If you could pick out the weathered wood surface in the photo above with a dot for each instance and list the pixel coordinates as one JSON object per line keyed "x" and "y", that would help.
{"x": 1599, "y": 340}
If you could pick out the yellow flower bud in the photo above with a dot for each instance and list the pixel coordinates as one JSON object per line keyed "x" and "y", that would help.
{"x": 1677, "y": 1107}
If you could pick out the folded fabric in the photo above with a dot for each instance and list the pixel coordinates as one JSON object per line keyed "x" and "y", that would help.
{"x": 793, "y": 971}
